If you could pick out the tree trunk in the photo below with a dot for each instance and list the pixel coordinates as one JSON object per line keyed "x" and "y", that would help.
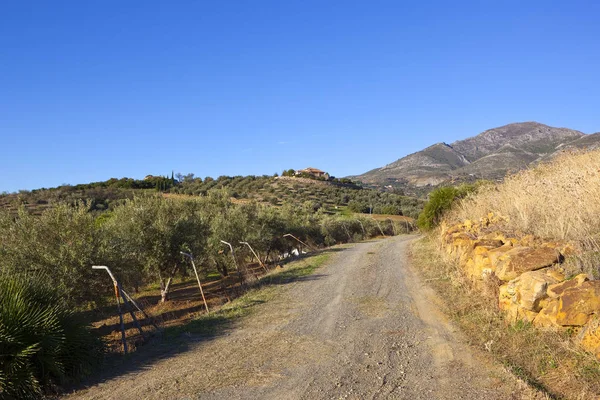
{"x": 164, "y": 287}
{"x": 164, "y": 290}
{"x": 222, "y": 268}
{"x": 266, "y": 261}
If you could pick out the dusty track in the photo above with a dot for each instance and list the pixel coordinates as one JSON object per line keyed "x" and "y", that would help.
{"x": 362, "y": 327}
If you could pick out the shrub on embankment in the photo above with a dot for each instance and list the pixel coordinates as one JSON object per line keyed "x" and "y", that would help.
{"x": 42, "y": 343}
{"x": 440, "y": 201}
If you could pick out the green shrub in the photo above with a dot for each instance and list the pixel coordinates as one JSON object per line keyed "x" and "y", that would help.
{"x": 42, "y": 343}
{"x": 440, "y": 200}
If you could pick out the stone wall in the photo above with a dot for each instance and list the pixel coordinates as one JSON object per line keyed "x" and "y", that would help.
{"x": 529, "y": 270}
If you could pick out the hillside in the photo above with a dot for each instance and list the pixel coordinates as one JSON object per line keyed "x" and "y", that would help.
{"x": 330, "y": 196}
{"x": 490, "y": 155}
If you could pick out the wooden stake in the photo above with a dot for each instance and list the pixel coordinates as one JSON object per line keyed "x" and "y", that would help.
{"x": 189, "y": 255}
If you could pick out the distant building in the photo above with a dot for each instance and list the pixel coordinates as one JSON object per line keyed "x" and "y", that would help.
{"x": 314, "y": 172}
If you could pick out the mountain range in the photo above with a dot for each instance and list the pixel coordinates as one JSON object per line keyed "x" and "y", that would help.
{"x": 490, "y": 155}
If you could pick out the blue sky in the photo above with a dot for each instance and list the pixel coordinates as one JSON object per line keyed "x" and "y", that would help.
{"x": 94, "y": 90}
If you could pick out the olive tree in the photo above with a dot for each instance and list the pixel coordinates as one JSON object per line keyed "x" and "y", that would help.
{"x": 154, "y": 231}
{"x": 62, "y": 243}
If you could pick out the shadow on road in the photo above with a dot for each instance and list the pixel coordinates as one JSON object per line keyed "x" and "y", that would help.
{"x": 173, "y": 340}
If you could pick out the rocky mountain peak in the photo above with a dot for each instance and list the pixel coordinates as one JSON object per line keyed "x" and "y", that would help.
{"x": 489, "y": 155}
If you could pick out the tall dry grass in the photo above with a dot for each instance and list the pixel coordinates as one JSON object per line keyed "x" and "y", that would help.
{"x": 555, "y": 200}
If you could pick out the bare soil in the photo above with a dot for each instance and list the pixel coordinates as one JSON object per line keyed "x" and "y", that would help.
{"x": 363, "y": 326}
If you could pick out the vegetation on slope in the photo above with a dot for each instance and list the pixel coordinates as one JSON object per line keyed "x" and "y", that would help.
{"x": 141, "y": 239}
{"x": 332, "y": 196}
{"x": 555, "y": 200}
{"x": 440, "y": 201}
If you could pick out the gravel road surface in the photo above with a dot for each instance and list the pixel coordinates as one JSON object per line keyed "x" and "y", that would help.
{"x": 363, "y": 326}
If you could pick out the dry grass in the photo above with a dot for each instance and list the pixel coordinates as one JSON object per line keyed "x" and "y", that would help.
{"x": 546, "y": 360}
{"x": 556, "y": 200}
{"x": 395, "y": 218}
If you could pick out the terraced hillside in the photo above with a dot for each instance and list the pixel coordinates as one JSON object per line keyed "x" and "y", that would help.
{"x": 330, "y": 196}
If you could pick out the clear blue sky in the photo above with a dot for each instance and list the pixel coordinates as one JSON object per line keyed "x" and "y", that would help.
{"x": 91, "y": 90}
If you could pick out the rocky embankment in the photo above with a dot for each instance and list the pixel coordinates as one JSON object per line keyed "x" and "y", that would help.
{"x": 534, "y": 285}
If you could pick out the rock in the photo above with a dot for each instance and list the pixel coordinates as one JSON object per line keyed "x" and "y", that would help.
{"x": 546, "y": 318}
{"x": 589, "y": 337}
{"x": 557, "y": 289}
{"x": 513, "y": 311}
{"x": 526, "y": 291}
{"x": 461, "y": 244}
{"x": 461, "y": 239}
{"x": 505, "y": 298}
{"x": 528, "y": 241}
{"x": 576, "y": 305}
{"x": 556, "y": 274}
{"x": 514, "y": 242}
{"x": 488, "y": 243}
{"x": 523, "y": 259}
{"x": 497, "y": 235}
{"x": 495, "y": 255}
{"x": 478, "y": 265}
{"x": 525, "y": 315}
{"x": 450, "y": 231}
{"x": 531, "y": 288}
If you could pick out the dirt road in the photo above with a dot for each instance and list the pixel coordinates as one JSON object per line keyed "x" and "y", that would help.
{"x": 362, "y": 327}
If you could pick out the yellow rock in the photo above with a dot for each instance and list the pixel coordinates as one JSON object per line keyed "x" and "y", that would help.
{"x": 576, "y": 305}
{"x": 489, "y": 243}
{"x": 478, "y": 264}
{"x": 589, "y": 337}
{"x": 497, "y": 235}
{"x": 498, "y": 254}
{"x": 544, "y": 302}
{"x": 480, "y": 250}
{"x": 556, "y": 274}
{"x": 526, "y": 315}
{"x": 461, "y": 244}
{"x": 557, "y": 289}
{"x": 507, "y": 302}
{"x": 546, "y": 318}
{"x": 527, "y": 241}
{"x": 461, "y": 239}
{"x": 529, "y": 289}
{"x": 452, "y": 230}
{"x": 524, "y": 259}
